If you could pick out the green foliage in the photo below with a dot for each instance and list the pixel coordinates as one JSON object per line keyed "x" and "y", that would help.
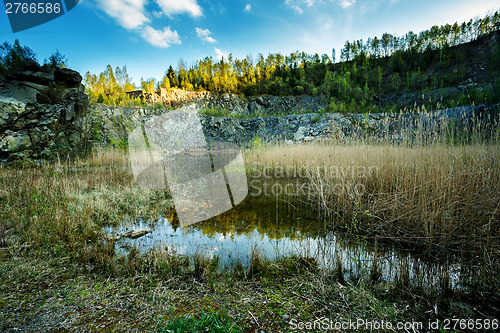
{"x": 56, "y": 59}
{"x": 369, "y": 71}
{"x": 122, "y": 144}
{"x": 215, "y": 112}
{"x": 256, "y": 142}
{"x": 315, "y": 118}
{"x": 12, "y": 57}
{"x": 158, "y": 106}
{"x": 494, "y": 61}
{"x": 100, "y": 98}
{"x": 363, "y": 64}
{"x": 111, "y": 87}
{"x": 206, "y": 322}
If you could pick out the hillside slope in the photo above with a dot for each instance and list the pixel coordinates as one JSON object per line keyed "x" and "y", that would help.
{"x": 460, "y": 75}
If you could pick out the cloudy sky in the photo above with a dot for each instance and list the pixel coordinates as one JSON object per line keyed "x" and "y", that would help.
{"x": 150, "y": 35}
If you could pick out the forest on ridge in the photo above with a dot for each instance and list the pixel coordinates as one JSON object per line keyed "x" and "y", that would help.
{"x": 367, "y": 71}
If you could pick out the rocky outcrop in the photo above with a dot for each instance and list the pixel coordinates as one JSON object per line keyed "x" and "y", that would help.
{"x": 264, "y": 105}
{"x": 378, "y": 127}
{"x": 43, "y": 114}
{"x": 114, "y": 124}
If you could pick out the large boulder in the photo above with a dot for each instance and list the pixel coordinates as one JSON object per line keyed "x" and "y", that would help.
{"x": 67, "y": 77}
{"x": 44, "y": 113}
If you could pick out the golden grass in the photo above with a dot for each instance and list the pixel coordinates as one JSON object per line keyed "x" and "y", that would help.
{"x": 437, "y": 196}
{"x": 442, "y": 199}
{"x": 64, "y": 205}
{"x": 433, "y": 195}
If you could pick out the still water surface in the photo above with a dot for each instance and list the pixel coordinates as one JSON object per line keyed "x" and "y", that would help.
{"x": 285, "y": 225}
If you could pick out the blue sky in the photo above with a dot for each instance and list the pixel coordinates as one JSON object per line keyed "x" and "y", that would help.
{"x": 150, "y": 35}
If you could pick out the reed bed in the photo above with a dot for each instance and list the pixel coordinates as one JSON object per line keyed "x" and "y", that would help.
{"x": 433, "y": 190}
{"x": 435, "y": 195}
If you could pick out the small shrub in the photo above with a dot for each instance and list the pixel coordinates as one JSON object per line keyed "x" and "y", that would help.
{"x": 100, "y": 99}
{"x": 256, "y": 142}
{"x": 215, "y": 112}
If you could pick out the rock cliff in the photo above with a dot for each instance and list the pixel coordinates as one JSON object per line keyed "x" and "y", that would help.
{"x": 112, "y": 124}
{"x": 264, "y": 105}
{"x": 43, "y": 114}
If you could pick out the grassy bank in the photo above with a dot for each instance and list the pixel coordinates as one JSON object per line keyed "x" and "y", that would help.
{"x": 53, "y": 293}
{"x": 59, "y": 272}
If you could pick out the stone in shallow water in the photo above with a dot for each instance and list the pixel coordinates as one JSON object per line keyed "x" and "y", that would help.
{"x": 136, "y": 233}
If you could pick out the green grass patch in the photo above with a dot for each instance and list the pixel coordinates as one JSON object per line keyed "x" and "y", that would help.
{"x": 205, "y": 322}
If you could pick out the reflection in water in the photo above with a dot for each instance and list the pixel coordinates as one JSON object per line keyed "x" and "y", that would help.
{"x": 286, "y": 225}
{"x": 272, "y": 224}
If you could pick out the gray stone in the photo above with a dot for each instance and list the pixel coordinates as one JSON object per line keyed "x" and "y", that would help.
{"x": 67, "y": 77}
{"x": 40, "y": 118}
{"x": 16, "y": 142}
{"x": 115, "y": 123}
{"x": 136, "y": 233}
{"x": 70, "y": 112}
{"x": 33, "y": 77}
{"x": 299, "y": 135}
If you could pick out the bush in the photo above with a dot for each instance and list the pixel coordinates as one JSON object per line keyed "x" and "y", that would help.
{"x": 215, "y": 112}
{"x": 256, "y": 142}
{"x": 56, "y": 59}
{"x": 12, "y": 57}
{"x": 298, "y": 90}
{"x": 100, "y": 99}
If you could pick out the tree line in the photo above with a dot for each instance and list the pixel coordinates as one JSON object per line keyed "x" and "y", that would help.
{"x": 366, "y": 70}
{"x": 13, "y": 57}
{"x": 300, "y": 73}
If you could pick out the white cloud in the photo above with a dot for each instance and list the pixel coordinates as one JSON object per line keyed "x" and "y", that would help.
{"x": 347, "y": 3}
{"x": 130, "y": 14}
{"x": 204, "y": 35}
{"x": 310, "y": 3}
{"x": 297, "y": 9}
{"x": 171, "y": 7}
{"x": 298, "y": 4}
{"x": 133, "y": 15}
{"x": 157, "y": 14}
{"x": 220, "y": 54}
{"x": 160, "y": 38}
{"x": 248, "y": 7}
